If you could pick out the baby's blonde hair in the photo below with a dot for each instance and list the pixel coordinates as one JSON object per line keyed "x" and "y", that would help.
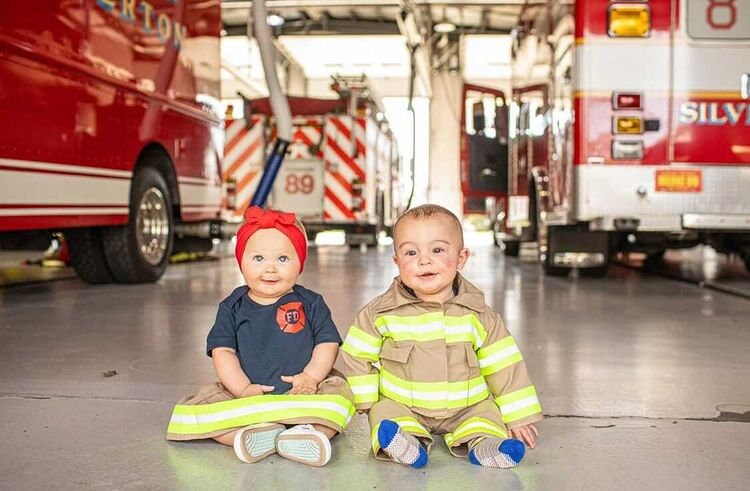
{"x": 429, "y": 211}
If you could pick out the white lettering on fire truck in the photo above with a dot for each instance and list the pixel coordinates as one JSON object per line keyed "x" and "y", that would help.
{"x": 714, "y": 113}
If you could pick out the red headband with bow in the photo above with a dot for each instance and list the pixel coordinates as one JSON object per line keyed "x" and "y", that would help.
{"x": 257, "y": 218}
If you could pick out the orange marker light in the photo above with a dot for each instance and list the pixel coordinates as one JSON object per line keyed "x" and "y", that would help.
{"x": 629, "y": 125}
{"x": 629, "y": 20}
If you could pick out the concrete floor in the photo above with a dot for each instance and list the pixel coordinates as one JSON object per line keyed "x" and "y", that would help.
{"x": 633, "y": 372}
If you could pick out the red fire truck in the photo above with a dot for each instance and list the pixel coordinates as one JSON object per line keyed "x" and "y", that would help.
{"x": 110, "y": 132}
{"x": 630, "y": 130}
{"x": 484, "y": 150}
{"x": 342, "y": 172}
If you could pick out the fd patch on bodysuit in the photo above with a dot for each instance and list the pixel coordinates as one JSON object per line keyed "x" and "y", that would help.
{"x": 291, "y": 317}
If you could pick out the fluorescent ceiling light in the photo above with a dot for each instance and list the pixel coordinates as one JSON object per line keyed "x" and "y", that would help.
{"x": 445, "y": 27}
{"x": 275, "y": 20}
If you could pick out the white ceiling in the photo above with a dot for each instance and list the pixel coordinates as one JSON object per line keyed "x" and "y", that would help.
{"x": 474, "y": 16}
{"x": 384, "y": 59}
{"x": 487, "y": 57}
{"x": 375, "y": 56}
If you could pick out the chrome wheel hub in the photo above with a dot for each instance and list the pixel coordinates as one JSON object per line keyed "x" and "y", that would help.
{"x": 152, "y": 226}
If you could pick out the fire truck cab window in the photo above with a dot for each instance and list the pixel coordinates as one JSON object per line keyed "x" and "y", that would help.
{"x": 481, "y": 114}
{"x": 531, "y": 119}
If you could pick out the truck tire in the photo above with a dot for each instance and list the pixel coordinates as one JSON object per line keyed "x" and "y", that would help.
{"x": 655, "y": 256}
{"x": 511, "y": 248}
{"x": 139, "y": 251}
{"x": 546, "y": 242}
{"x": 567, "y": 238}
{"x": 87, "y": 255}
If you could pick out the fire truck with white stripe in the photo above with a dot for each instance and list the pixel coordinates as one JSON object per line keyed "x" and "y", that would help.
{"x": 342, "y": 172}
{"x": 110, "y": 129}
{"x": 630, "y": 130}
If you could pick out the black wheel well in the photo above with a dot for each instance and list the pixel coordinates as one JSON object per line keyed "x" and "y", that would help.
{"x": 154, "y": 155}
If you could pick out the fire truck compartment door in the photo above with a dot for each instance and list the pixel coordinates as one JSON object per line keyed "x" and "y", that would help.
{"x": 299, "y": 187}
{"x": 711, "y": 51}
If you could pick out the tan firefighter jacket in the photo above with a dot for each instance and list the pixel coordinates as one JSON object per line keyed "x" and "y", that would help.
{"x": 437, "y": 359}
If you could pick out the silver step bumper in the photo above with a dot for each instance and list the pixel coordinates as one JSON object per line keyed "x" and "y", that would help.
{"x": 707, "y": 221}
{"x": 579, "y": 259}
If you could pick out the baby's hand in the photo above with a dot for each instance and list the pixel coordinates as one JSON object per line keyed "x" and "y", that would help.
{"x": 256, "y": 390}
{"x": 526, "y": 434}
{"x": 302, "y": 383}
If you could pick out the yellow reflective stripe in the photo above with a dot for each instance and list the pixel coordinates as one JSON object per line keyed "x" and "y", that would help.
{"x": 364, "y": 380}
{"x": 482, "y": 332}
{"x": 360, "y": 399}
{"x": 219, "y": 411}
{"x": 424, "y": 327}
{"x": 474, "y": 427}
{"x": 478, "y": 334}
{"x": 523, "y": 413}
{"x": 515, "y": 396}
{"x": 362, "y": 345}
{"x": 436, "y": 387}
{"x": 433, "y": 395}
{"x": 264, "y": 400}
{"x": 518, "y": 404}
{"x": 206, "y": 418}
{"x": 432, "y": 326}
{"x": 364, "y": 387}
{"x": 498, "y": 355}
{"x": 464, "y": 329}
{"x": 478, "y": 397}
{"x": 407, "y": 423}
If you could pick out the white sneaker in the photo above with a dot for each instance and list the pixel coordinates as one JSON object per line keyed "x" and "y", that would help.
{"x": 303, "y": 443}
{"x": 255, "y": 442}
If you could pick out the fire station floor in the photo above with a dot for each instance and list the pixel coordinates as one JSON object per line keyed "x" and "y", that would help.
{"x": 644, "y": 382}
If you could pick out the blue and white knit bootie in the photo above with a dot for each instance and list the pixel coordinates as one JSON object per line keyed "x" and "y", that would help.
{"x": 496, "y": 452}
{"x": 400, "y": 446}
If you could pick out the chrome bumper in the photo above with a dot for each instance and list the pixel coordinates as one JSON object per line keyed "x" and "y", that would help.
{"x": 579, "y": 259}
{"x": 697, "y": 221}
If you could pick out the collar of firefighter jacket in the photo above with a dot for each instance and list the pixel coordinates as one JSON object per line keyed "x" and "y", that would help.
{"x": 468, "y": 296}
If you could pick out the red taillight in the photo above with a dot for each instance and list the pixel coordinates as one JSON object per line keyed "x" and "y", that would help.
{"x": 357, "y": 190}
{"x": 627, "y": 124}
{"x": 622, "y": 100}
{"x": 231, "y": 193}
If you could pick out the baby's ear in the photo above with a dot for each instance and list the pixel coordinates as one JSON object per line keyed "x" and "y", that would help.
{"x": 463, "y": 256}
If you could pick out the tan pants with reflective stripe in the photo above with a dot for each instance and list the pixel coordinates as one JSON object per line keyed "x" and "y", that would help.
{"x": 216, "y": 392}
{"x": 459, "y": 431}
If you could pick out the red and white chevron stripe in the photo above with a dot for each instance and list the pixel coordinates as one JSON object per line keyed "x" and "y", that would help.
{"x": 243, "y": 160}
{"x": 307, "y": 139}
{"x": 344, "y": 153}
{"x": 338, "y": 141}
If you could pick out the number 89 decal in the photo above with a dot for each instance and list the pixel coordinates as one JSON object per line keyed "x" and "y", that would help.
{"x": 299, "y": 183}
